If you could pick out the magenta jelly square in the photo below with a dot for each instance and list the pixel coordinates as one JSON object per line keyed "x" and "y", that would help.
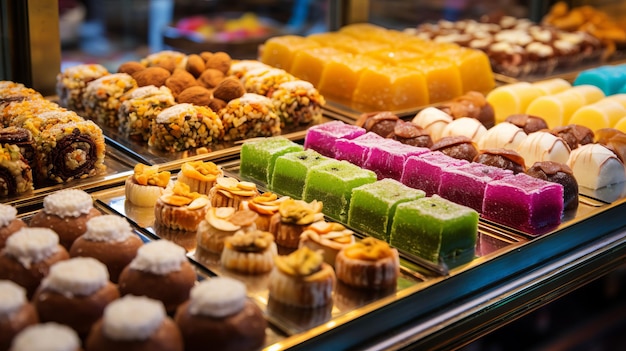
{"x": 466, "y": 184}
{"x": 424, "y": 171}
{"x": 387, "y": 159}
{"x": 356, "y": 150}
{"x": 522, "y": 202}
{"x": 322, "y": 137}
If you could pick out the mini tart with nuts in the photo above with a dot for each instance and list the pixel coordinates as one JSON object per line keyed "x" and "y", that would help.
{"x": 229, "y": 192}
{"x": 249, "y": 252}
{"x": 180, "y": 208}
{"x": 292, "y": 218}
{"x": 265, "y": 205}
{"x": 200, "y": 175}
{"x": 302, "y": 279}
{"x": 146, "y": 185}
{"x": 330, "y": 237}
{"x": 220, "y": 223}
{"x": 370, "y": 263}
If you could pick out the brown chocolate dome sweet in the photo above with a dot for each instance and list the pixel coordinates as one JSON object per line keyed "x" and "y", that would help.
{"x": 28, "y": 255}
{"x": 66, "y": 212}
{"x": 75, "y": 293}
{"x": 381, "y": 123}
{"x": 574, "y": 135}
{"x": 410, "y": 134}
{"x": 472, "y": 104}
{"x": 502, "y": 158}
{"x": 219, "y": 314}
{"x": 528, "y": 123}
{"x": 614, "y": 140}
{"x": 558, "y": 173}
{"x": 159, "y": 264}
{"x": 459, "y": 147}
{"x": 134, "y": 323}
{"x": 16, "y": 313}
{"x": 110, "y": 240}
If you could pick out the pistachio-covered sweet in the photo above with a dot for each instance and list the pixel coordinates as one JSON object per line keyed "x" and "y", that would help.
{"x": 502, "y": 158}
{"x": 300, "y": 212}
{"x": 303, "y": 262}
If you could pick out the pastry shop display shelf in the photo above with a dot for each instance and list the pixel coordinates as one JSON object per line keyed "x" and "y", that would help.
{"x": 429, "y": 302}
{"x": 215, "y": 152}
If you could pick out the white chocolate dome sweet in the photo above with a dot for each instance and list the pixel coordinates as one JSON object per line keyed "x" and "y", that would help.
{"x": 46, "y": 337}
{"x": 32, "y": 245}
{"x": 68, "y": 203}
{"x": 159, "y": 257}
{"x": 217, "y": 297}
{"x": 108, "y": 228}
{"x": 132, "y": 318}
{"x": 76, "y": 276}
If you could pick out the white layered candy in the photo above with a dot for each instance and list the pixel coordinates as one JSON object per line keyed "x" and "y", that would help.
{"x": 595, "y": 166}
{"x": 465, "y": 126}
{"x": 12, "y": 297}
{"x": 543, "y": 146}
{"x": 81, "y": 276}
{"x": 217, "y": 297}
{"x": 32, "y": 245}
{"x": 433, "y": 120}
{"x": 7, "y": 214}
{"x": 68, "y": 203}
{"x": 108, "y": 228}
{"x": 503, "y": 135}
{"x": 159, "y": 257}
{"x": 46, "y": 337}
{"x": 132, "y": 318}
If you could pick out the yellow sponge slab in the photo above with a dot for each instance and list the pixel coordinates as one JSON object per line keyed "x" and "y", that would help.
{"x": 389, "y": 87}
{"x": 443, "y": 78}
{"x": 308, "y": 63}
{"x": 341, "y": 74}
{"x": 279, "y": 51}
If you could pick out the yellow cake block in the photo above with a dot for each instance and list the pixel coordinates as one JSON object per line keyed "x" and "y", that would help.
{"x": 390, "y": 88}
{"x": 605, "y": 113}
{"x": 621, "y": 98}
{"x": 395, "y": 56}
{"x": 364, "y": 31}
{"x": 336, "y": 40}
{"x": 552, "y": 85}
{"x": 621, "y": 125}
{"x": 308, "y": 63}
{"x": 443, "y": 78}
{"x": 279, "y": 51}
{"x": 418, "y": 45}
{"x": 474, "y": 68}
{"x": 556, "y": 109}
{"x": 512, "y": 99}
{"x": 588, "y": 93}
{"x": 341, "y": 74}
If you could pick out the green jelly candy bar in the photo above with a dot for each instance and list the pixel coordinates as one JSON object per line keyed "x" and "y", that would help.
{"x": 257, "y": 157}
{"x": 290, "y": 171}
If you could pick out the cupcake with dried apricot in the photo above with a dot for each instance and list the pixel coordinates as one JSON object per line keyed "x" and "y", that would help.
{"x": 249, "y": 252}
{"x": 329, "y": 237}
{"x": 369, "y": 263}
{"x": 180, "y": 209}
{"x": 229, "y": 192}
{"x": 302, "y": 279}
{"x": 220, "y": 223}
{"x": 291, "y": 220}
{"x": 146, "y": 185}
{"x": 265, "y": 205}
{"x": 200, "y": 175}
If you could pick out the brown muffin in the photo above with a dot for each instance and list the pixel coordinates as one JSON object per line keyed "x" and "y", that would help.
{"x": 16, "y": 313}
{"x": 75, "y": 293}
{"x": 28, "y": 255}
{"x": 220, "y": 314}
{"x": 66, "y": 212}
{"x": 9, "y": 223}
{"x": 110, "y": 240}
{"x": 134, "y": 323}
{"x": 159, "y": 264}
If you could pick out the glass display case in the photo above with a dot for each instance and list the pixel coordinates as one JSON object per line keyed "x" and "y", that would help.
{"x": 513, "y": 274}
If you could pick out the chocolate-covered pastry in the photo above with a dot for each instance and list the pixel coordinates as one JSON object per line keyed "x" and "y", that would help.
{"x": 560, "y": 173}
{"x": 458, "y": 146}
{"x": 574, "y": 135}
{"x": 614, "y": 140}
{"x": 381, "y": 123}
{"x": 502, "y": 158}
{"x": 410, "y": 134}
{"x": 528, "y": 123}
{"x": 471, "y": 104}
